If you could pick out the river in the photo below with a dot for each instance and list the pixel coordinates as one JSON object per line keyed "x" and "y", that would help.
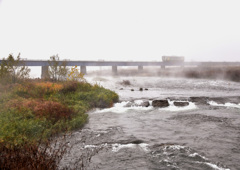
{"x": 205, "y": 135}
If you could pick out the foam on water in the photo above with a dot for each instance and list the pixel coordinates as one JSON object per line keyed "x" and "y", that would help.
{"x": 174, "y": 147}
{"x": 94, "y": 146}
{"x": 116, "y": 147}
{"x": 136, "y": 105}
{"x": 90, "y": 146}
{"x": 144, "y": 146}
{"x": 122, "y": 107}
{"x": 213, "y": 103}
{"x": 174, "y": 108}
{"x": 138, "y": 102}
{"x": 167, "y": 151}
{"x": 214, "y": 166}
{"x": 196, "y": 154}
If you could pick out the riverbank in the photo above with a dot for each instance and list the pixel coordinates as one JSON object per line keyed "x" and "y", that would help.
{"x": 34, "y": 111}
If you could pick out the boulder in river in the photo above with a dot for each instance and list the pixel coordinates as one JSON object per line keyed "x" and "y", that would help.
{"x": 219, "y": 100}
{"x": 160, "y": 103}
{"x": 145, "y": 104}
{"x": 142, "y": 104}
{"x": 181, "y": 104}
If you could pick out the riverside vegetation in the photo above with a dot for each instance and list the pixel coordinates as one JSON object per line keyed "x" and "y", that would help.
{"x": 33, "y": 112}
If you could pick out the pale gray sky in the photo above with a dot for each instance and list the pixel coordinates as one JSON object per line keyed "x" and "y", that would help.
{"x": 200, "y": 30}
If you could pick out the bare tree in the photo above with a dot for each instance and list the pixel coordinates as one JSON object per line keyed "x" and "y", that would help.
{"x": 56, "y": 70}
{"x": 13, "y": 70}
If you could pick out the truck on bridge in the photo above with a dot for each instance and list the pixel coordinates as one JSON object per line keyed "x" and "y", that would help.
{"x": 172, "y": 59}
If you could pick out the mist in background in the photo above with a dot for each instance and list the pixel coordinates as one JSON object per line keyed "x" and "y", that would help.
{"x": 137, "y": 30}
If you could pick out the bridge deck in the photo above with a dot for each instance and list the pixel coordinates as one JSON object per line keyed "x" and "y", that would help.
{"x": 129, "y": 63}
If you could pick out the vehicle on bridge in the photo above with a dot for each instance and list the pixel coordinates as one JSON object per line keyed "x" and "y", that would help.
{"x": 172, "y": 59}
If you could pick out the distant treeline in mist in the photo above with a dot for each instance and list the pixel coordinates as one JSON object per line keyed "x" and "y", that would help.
{"x": 224, "y": 73}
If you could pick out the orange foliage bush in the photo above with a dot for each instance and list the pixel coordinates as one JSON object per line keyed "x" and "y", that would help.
{"x": 38, "y": 89}
{"x": 49, "y": 109}
{"x": 50, "y": 86}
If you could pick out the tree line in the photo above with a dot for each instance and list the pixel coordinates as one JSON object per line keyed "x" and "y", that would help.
{"x": 14, "y": 70}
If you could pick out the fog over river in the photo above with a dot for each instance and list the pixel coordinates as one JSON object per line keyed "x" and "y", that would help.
{"x": 202, "y": 135}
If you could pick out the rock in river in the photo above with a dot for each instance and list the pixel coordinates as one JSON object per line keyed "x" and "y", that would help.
{"x": 160, "y": 103}
{"x": 180, "y": 104}
{"x": 145, "y": 104}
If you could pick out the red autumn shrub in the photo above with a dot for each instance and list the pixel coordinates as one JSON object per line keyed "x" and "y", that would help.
{"x": 70, "y": 86}
{"x": 49, "y": 109}
{"x": 52, "y": 110}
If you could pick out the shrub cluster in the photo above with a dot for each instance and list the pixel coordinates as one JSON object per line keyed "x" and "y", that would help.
{"x": 32, "y": 156}
{"x": 37, "y": 90}
{"x": 37, "y": 110}
{"x": 51, "y": 110}
{"x": 125, "y": 82}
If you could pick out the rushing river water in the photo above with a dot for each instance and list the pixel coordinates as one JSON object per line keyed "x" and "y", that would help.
{"x": 203, "y": 135}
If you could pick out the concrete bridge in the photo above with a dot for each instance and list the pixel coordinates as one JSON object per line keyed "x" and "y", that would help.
{"x": 114, "y": 64}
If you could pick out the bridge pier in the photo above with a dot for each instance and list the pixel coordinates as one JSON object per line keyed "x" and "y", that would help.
{"x": 45, "y": 73}
{"x": 83, "y": 69}
{"x": 140, "y": 68}
{"x": 114, "y": 69}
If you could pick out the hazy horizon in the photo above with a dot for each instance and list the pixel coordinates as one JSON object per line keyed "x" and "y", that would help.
{"x": 128, "y": 30}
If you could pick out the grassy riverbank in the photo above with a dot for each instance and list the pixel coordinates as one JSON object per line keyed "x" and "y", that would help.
{"x": 34, "y": 111}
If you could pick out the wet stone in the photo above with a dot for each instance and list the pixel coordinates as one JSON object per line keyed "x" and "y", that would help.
{"x": 219, "y": 100}
{"x": 180, "y": 104}
{"x": 160, "y": 103}
{"x": 145, "y": 104}
{"x": 223, "y": 100}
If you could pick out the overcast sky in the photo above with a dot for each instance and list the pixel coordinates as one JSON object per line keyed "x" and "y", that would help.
{"x": 143, "y": 30}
